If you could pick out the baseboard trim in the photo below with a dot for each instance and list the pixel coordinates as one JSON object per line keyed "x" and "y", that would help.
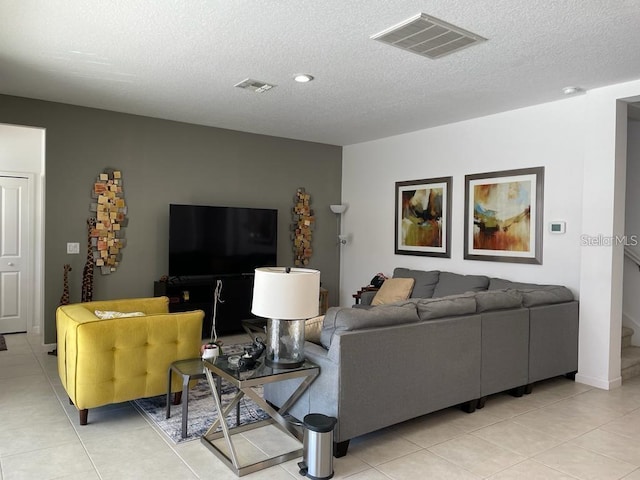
{"x": 599, "y": 382}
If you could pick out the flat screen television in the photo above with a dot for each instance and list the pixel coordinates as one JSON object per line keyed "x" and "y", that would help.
{"x": 210, "y": 240}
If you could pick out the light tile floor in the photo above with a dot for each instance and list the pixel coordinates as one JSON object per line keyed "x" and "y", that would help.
{"x": 563, "y": 430}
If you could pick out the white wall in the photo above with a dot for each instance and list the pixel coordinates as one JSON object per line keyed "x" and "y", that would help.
{"x": 22, "y": 151}
{"x": 631, "y": 284}
{"x": 548, "y": 135}
{"x": 601, "y": 268}
{"x": 580, "y": 141}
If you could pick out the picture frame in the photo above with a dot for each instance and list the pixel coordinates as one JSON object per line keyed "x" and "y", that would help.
{"x": 504, "y": 216}
{"x": 423, "y": 217}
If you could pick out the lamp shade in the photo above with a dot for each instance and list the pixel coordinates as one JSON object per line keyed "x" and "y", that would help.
{"x": 286, "y": 294}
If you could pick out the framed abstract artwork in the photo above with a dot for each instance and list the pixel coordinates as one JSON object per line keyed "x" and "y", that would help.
{"x": 503, "y": 216}
{"x": 423, "y": 217}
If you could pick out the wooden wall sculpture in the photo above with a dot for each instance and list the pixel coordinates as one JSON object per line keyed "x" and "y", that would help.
{"x": 302, "y": 228}
{"x": 107, "y": 238}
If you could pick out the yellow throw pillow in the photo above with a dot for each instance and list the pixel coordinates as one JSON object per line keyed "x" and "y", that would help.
{"x": 393, "y": 290}
{"x": 312, "y": 329}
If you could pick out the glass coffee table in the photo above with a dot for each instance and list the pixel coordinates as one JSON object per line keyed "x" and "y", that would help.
{"x": 245, "y": 382}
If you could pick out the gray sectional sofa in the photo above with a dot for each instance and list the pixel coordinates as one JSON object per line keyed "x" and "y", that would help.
{"x": 455, "y": 341}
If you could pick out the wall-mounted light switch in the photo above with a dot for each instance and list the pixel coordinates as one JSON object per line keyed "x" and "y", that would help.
{"x": 73, "y": 247}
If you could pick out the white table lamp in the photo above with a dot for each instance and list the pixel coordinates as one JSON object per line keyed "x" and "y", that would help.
{"x": 286, "y": 297}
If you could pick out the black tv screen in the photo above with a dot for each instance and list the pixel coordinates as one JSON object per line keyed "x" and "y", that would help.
{"x": 210, "y": 240}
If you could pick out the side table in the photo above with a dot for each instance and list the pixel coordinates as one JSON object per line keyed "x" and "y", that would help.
{"x": 190, "y": 369}
{"x": 245, "y": 381}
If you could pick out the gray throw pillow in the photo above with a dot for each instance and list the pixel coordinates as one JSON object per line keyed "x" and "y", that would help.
{"x": 546, "y": 295}
{"x": 432, "y": 308}
{"x": 425, "y": 281}
{"x": 497, "y": 300}
{"x": 345, "y": 319}
{"x": 455, "y": 284}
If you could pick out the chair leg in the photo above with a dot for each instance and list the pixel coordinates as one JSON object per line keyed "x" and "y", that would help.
{"x": 84, "y": 414}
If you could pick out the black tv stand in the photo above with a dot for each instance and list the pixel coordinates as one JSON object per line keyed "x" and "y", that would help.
{"x": 197, "y": 293}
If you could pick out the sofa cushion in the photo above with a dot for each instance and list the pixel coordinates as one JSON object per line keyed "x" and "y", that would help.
{"x": 393, "y": 290}
{"x": 345, "y": 319}
{"x": 312, "y": 329}
{"x": 497, "y": 300}
{"x": 432, "y": 308}
{"x": 455, "y": 284}
{"x": 425, "y": 281}
{"x": 502, "y": 284}
{"x": 545, "y": 295}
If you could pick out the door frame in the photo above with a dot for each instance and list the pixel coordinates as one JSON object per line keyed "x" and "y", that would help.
{"x": 34, "y": 262}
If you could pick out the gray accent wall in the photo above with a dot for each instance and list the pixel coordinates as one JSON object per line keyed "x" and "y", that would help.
{"x": 165, "y": 162}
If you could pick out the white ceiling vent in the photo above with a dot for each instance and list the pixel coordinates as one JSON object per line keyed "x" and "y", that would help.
{"x": 428, "y": 36}
{"x": 254, "y": 85}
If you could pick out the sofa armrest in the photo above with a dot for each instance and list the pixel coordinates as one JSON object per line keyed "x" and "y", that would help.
{"x": 149, "y": 305}
{"x": 435, "y": 364}
{"x": 367, "y": 297}
{"x": 553, "y": 340}
{"x": 321, "y": 397}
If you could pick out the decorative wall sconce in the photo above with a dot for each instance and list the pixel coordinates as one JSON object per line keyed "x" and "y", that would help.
{"x": 339, "y": 210}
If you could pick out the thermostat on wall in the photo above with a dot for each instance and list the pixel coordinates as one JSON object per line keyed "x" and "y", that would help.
{"x": 557, "y": 226}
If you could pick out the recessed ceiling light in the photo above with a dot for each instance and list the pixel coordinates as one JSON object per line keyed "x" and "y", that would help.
{"x": 571, "y": 90}
{"x": 302, "y": 78}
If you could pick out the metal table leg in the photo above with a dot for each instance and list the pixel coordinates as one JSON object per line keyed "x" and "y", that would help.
{"x": 169, "y": 393}
{"x": 185, "y": 403}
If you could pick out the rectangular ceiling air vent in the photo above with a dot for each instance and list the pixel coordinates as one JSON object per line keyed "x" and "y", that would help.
{"x": 428, "y": 36}
{"x": 254, "y": 85}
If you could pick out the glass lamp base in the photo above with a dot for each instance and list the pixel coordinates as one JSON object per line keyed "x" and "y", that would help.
{"x": 285, "y": 343}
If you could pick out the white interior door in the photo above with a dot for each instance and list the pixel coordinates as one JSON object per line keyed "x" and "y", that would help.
{"x": 14, "y": 254}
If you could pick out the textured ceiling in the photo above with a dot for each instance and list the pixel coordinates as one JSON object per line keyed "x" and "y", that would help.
{"x": 179, "y": 60}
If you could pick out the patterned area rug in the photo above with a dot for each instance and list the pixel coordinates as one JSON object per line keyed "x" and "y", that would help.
{"x": 202, "y": 410}
{"x": 3, "y": 343}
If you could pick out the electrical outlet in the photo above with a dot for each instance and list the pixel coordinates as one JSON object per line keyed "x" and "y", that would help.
{"x": 73, "y": 247}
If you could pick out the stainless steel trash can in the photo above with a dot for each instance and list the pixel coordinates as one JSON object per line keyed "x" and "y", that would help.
{"x": 317, "y": 456}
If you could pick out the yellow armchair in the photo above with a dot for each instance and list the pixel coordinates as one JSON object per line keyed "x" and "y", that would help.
{"x": 104, "y": 361}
